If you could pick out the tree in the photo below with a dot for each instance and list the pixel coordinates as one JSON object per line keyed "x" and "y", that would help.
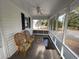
{"x": 73, "y": 20}
{"x": 42, "y": 23}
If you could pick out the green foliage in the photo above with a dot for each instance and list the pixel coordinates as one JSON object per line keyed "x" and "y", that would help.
{"x": 42, "y": 23}
{"x": 59, "y": 24}
{"x": 73, "y": 20}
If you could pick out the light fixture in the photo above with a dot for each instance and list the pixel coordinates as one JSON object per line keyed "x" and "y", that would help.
{"x": 38, "y": 11}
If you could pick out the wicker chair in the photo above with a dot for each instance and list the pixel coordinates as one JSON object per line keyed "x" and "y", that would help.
{"x": 21, "y": 43}
{"x": 29, "y": 37}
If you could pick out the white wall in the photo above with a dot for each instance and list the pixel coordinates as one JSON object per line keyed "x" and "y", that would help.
{"x": 1, "y": 43}
{"x": 1, "y": 48}
{"x": 11, "y": 23}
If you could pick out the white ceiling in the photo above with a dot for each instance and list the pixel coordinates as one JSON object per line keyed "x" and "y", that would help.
{"x": 49, "y": 7}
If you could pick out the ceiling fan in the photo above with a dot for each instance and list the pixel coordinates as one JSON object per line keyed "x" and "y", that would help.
{"x": 39, "y": 11}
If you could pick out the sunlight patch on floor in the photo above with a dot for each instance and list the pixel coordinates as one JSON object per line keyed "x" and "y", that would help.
{"x": 40, "y": 48}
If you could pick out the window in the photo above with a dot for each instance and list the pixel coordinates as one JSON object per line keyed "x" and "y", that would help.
{"x": 26, "y": 21}
{"x": 40, "y": 24}
{"x": 53, "y": 24}
{"x": 72, "y": 34}
{"x": 23, "y": 20}
{"x": 50, "y": 24}
{"x": 60, "y": 26}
